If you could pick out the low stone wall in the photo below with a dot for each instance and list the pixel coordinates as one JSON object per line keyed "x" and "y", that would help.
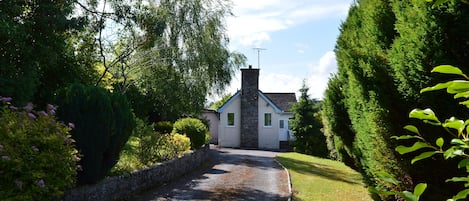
{"x": 121, "y": 187}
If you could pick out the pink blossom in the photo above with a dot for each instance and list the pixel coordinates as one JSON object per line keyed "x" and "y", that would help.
{"x": 71, "y": 125}
{"x": 29, "y": 107}
{"x": 5, "y": 99}
{"x": 7, "y": 158}
{"x": 41, "y": 183}
{"x": 31, "y": 115}
{"x": 51, "y": 109}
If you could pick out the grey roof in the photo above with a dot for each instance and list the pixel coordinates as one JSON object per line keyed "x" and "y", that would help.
{"x": 283, "y": 100}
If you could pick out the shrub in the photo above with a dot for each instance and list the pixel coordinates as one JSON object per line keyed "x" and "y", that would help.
{"x": 177, "y": 145}
{"x": 164, "y": 127}
{"x": 103, "y": 124}
{"x": 192, "y": 128}
{"x": 38, "y": 158}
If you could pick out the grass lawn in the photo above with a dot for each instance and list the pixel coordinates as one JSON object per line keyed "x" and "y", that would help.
{"x": 317, "y": 179}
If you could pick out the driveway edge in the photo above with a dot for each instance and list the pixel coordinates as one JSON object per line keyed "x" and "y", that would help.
{"x": 290, "y": 193}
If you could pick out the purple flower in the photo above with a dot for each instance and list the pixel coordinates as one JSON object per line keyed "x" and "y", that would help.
{"x": 31, "y": 115}
{"x": 13, "y": 107}
{"x": 41, "y": 183}
{"x": 67, "y": 140}
{"x": 19, "y": 184}
{"x": 5, "y": 99}
{"x": 42, "y": 113}
{"x": 7, "y": 158}
{"x": 71, "y": 125}
{"x": 51, "y": 109}
{"x": 34, "y": 148}
{"x": 29, "y": 107}
{"x": 1, "y": 146}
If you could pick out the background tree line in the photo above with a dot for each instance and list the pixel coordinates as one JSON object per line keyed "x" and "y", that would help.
{"x": 385, "y": 52}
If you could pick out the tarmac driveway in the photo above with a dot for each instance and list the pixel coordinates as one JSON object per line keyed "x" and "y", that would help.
{"x": 230, "y": 174}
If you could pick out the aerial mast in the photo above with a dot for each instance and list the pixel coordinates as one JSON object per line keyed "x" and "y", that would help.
{"x": 258, "y": 49}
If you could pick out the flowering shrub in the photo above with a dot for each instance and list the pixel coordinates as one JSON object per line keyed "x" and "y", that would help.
{"x": 37, "y": 156}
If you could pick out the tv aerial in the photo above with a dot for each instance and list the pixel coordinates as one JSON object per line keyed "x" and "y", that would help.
{"x": 258, "y": 49}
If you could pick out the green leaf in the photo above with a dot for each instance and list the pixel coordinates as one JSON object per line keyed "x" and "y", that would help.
{"x": 385, "y": 193}
{"x": 405, "y": 137}
{"x": 446, "y": 69}
{"x": 387, "y": 177}
{"x": 408, "y": 196}
{"x": 454, "y": 123}
{"x": 458, "y": 86}
{"x": 439, "y": 142}
{"x": 463, "y": 163}
{"x": 417, "y": 145}
{"x": 438, "y": 86}
{"x": 462, "y": 95}
{"x": 412, "y": 129}
{"x": 423, "y": 155}
{"x": 466, "y": 103}
{"x": 427, "y": 115}
{"x": 419, "y": 189}
{"x": 452, "y": 152}
{"x": 461, "y": 194}
{"x": 457, "y": 142}
{"x": 458, "y": 179}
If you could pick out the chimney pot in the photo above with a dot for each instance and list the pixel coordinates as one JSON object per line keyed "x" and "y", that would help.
{"x": 250, "y": 66}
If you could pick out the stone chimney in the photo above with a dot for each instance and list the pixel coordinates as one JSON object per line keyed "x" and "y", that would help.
{"x": 249, "y": 107}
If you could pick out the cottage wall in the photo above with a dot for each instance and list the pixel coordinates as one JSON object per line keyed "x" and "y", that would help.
{"x": 229, "y": 136}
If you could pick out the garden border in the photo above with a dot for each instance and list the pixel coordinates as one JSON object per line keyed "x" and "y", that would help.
{"x": 122, "y": 187}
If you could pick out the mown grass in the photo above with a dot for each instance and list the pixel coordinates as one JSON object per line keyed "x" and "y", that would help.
{"x": 317, "y": 179}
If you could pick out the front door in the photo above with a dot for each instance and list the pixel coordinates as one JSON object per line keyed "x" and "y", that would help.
{"x": 283, "y": 129}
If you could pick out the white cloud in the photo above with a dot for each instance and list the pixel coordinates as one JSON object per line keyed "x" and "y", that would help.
{"x": 278, "y": 83}
{"x": 320, "y": 74}
{"x": 262, "y": 17}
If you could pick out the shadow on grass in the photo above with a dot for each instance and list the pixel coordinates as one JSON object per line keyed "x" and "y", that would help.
{"x": 321, "y": 170}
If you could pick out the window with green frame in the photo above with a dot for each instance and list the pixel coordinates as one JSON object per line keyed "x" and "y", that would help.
{"x": 230, "y": 118}
{"x": 267, "y": 119}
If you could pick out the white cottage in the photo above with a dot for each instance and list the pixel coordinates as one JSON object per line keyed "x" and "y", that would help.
{"x": 253, "y": 119}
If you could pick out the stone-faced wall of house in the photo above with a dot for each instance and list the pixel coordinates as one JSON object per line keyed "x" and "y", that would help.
{"x": 249, "y": 107}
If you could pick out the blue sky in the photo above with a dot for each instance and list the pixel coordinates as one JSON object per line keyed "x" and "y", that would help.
{"x": 299, "y": 37}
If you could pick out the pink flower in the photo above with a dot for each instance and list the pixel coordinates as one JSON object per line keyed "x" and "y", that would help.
{"x": 5, "y": 99}
{"x": 42, "y": 113}
{"x": 41, "y": 183}
{"x": 7, "y": 158}
{"x": 29, "y": 107}
{"x": 71, "y": 125}
{"x": 51, "y": 109}
{"x": 31, "y": 115}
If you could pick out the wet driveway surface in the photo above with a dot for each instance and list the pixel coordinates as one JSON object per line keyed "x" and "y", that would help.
{"x": 229, "y": 174}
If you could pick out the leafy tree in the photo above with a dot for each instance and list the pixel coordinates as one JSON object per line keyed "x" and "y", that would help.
{"x": 306, "y": 126}
{"x": 216, "y": 105}
{"x": 170, "y": 54}
{"x": 36, "y": 60}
